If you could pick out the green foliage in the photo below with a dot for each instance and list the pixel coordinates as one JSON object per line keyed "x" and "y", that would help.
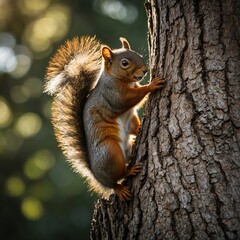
{"x": 41, "y": 198}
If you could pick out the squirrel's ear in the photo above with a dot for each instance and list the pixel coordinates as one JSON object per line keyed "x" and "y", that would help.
{"x": 107, "y": 54}
{"x": 125, "y": 43}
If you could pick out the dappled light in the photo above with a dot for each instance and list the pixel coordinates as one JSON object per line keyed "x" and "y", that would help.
{"x": 118, "y": 10}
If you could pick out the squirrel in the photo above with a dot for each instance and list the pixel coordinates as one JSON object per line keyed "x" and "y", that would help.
{"x": 94, "y": 109}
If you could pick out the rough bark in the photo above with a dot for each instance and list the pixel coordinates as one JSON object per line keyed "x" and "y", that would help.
{"x": 189, "y": 143}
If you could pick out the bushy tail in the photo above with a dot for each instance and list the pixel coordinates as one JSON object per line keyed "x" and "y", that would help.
{"x": 71, "y": 74}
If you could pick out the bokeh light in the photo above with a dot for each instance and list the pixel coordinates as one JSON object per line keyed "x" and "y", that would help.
{"x": 8, "y": 60}
{"x": 42, "y": 197}
{"x": 54, "y": 24}
{"x": 38, "y": 164}
{"x": 33, "y": 8}
{"x": 32, "y": 208}
{"x": 14, "y": 59}
{"x": 7, "y": 57}
{"x": 7, "y": 39}
{"x": 60, "y": 14}
{"x": 28, "y": 124}
{"x": 6, "y": 113}
{"x": 22, "y": 64}
{"x": 118, "y": 10}
{"x": 15, "y": 186}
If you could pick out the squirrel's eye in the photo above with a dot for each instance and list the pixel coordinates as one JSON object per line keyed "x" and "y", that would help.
{"x": 125, "y": 63}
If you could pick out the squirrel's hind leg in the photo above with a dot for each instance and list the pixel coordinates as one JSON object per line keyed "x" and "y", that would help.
{"x": 122, "y": 191}
{"x": 111, "y": 166}
{"x": 117, "y": 169}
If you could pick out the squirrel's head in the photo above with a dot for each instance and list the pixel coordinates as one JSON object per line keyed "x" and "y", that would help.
{"x": 124, "y": 64}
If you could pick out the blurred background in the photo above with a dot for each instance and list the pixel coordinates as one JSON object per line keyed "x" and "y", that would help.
{"x": 41, "y": 198}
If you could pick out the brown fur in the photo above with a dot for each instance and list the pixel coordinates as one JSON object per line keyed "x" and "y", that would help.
{"x": 92, "y": 115}
{"x": 70, "y": 97}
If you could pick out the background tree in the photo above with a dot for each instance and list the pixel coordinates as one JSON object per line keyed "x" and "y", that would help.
{"x": 188, "y": 145}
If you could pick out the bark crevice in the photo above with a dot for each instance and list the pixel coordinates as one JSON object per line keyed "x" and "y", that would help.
{"x": 189, "y": 142}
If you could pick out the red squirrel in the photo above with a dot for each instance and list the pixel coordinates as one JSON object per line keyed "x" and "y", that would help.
{"x": 94, "y": 110}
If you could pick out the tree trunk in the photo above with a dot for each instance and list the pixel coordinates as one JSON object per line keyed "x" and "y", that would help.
{"x": 189, "y": 143}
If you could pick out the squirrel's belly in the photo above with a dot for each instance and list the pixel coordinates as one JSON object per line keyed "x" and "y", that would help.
{"x": 124, "y": 123}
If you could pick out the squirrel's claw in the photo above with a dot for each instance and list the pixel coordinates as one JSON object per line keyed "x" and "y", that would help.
{"x": 134, "y": 170}
{"x": 123, "y": 193}
{"x": 156, "y": 83}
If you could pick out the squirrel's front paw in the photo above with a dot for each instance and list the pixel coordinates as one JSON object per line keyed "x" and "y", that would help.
{"x": 156, "y": 84}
